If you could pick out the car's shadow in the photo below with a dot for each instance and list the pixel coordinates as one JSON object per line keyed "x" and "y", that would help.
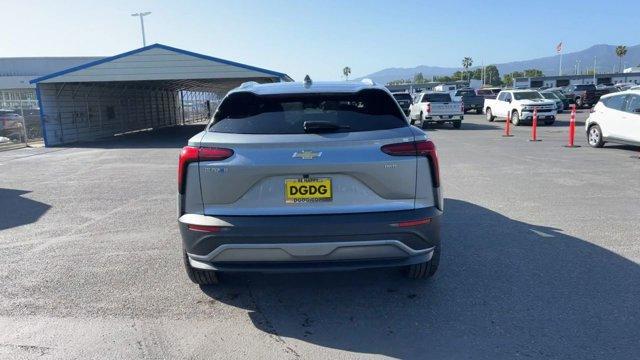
{"x": 506, "y": 289}
{"x": 165, "y": 137}
{"x": 465, "y": 126}
{"x": 17, "y": 210}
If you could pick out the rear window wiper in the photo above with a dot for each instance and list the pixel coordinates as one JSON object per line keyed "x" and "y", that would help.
{"x": 322, "y": 126}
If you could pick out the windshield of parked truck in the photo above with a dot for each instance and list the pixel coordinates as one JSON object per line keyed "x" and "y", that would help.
{"x": 527, "y": 95}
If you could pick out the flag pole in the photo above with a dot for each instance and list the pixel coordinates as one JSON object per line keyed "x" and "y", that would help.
{"x": 560, "y": 69}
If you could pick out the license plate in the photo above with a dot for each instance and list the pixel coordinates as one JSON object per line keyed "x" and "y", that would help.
{"x": 307, "y": 190}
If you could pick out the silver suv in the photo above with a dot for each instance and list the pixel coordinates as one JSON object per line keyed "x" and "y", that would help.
{"x": 309, "y": 176}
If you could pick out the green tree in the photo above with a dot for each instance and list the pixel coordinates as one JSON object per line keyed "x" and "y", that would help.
{"x": 533, "y": 73}
{"x": 621, "y": 51}
{"x": 492, "y": 75}
{"x": 458, "y": 75}
{"x": 467, "y": 62}
{"x": 418, "y": 78}
{"x": 346, "y": 72}
{"x": 477, "y": 74}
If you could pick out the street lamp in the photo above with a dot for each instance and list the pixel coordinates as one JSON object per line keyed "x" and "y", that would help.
{"x": 141, "y": 15}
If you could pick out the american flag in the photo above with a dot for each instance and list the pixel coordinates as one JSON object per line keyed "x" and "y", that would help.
{"x": 559, "y": 47}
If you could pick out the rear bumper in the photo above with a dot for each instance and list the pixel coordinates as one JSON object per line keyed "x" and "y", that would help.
{"x": 311, "y": 242}
{"x": 442, "y": 118}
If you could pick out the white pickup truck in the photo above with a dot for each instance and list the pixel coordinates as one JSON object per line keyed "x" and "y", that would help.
{"x": 520, "y": 104}
{"x": 436, "y": 107}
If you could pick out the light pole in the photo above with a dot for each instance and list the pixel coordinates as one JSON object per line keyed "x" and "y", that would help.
{"x": 141, "y": 15}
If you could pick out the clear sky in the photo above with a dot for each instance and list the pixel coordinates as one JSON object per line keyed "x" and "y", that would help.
{"x": 321, "y": 37}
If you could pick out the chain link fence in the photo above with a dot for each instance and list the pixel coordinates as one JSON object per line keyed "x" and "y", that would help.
{"x": 19, "y": 119}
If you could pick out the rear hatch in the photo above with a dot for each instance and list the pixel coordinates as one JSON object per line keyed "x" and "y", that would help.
{"x": 308, "y": 154}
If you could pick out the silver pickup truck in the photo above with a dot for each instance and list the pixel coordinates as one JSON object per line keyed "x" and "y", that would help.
{"x": 436, "y": 107}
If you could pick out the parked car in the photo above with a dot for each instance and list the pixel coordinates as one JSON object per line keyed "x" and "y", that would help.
{"x": 520, "y": 104}
{"x": 404, "y": 100}
{"x": 11, "y": 125}
{"x": 470, "y": 100}
{"x": 584, "y": 95}
{"x": 436, "y": 107}
{"x": 298, "y": 176}
{"x": 550, "y": 95}
{"x": 615, "y": 118}
{"x": 488, "y": 93}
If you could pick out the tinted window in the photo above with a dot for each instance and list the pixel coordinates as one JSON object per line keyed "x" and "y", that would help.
{"x": 527, "y": 95}
{"x": 402, "y": 96}
{"x": 614, "y": 102}
{"x": 551, "y": 96}
{"x": 633, "y": 104}
{"x": 484, "y": 92}
{"x": 437, "y": 97}
{"x": 502, "y": 96}
{"x": 585, "y": 87}
{"x": 247, "y": 113}
{"x": 465, "y": 93}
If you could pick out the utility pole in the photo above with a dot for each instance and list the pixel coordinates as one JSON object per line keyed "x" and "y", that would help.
{"x": 141, "y": 15}
{"x": 594, "y": 70}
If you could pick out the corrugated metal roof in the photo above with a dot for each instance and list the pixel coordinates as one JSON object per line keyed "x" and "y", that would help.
{"x": 159, "y": 62}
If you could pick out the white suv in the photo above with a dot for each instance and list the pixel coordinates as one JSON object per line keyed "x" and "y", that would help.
{"x": 615, "y": 118}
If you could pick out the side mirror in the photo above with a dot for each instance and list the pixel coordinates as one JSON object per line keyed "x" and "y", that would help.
{"x": 508, "y": 100}
{"x": 412, "y": 121}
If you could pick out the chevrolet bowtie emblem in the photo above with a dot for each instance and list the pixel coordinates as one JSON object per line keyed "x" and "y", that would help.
{"x": 306, "y": 154}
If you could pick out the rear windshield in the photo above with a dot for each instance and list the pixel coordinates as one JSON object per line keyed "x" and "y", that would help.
{"x": 437, "y": 97}
{"x": 402, "y": 96}
{"x": 247, "y": 113}
{"x": 527, "y": 95}
{"x": 585, "y": 87}
{"x": 465, "y": 93}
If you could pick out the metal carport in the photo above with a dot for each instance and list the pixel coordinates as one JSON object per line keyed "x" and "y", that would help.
{"x": 151, "y": 87}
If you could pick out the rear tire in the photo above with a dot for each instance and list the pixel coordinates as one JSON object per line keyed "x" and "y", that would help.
{"x": 198, "y": 276}
{"x": 426, "y": 269}
{"x": 457, "y": 124}
{"x": 490, "y": 116}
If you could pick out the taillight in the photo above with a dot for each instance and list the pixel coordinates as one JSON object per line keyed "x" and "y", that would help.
{"x": 462, "y": 106}
{"x": 191, "y": 154}
{"x": 417, "y": 148}
{"x": 428, "y": 107}
{"x": 204, "y": 228}
{"x": 412, "y": 223}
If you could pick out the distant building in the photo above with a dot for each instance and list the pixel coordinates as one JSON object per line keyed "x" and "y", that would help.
{"x": 566, "y": 80}
{"x": 15, "y": 91}
{"x": 429, "y": 86}
{"x": 632, "y": 69}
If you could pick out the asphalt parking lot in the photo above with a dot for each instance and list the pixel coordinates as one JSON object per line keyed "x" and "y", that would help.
{"x": 541, "y": 259}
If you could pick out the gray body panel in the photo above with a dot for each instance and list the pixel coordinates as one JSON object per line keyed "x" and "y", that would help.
{"x": 364, "y": 178}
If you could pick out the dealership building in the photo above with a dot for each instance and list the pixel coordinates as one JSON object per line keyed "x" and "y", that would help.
{"x": 566, "y": 80}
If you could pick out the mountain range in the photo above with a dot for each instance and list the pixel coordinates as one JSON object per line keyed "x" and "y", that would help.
{"x": 605, "y": 55}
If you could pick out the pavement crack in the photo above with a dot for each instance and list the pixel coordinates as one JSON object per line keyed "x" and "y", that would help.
{"x": 268, "y": 325}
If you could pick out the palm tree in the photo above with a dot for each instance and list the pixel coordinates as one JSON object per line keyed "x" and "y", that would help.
{"x": 621, "y": 51}
{"x": 346, "y": 72}
{"x": 467, "y": 62}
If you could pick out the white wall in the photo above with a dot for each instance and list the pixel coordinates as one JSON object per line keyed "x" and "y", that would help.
{"x": 80, "y": 112}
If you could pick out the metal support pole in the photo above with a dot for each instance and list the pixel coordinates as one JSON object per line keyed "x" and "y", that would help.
{"x": 182, "y": 105}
